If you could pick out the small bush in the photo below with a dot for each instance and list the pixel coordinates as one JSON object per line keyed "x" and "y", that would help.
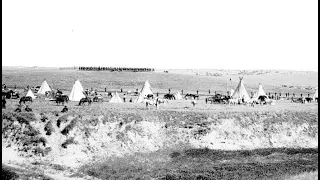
{"x": 44, "y": 118}
{"x": 62, "y": 119}
{"x": 49, "y": 128}
{"x": 30, "y": 131}
{"x": 68, "y": 142}
{"x": 41, "y": 151}
{"x": 69, "y": 127}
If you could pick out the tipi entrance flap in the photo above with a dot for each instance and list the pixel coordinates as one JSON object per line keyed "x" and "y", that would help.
{"x": 260, "y": 92}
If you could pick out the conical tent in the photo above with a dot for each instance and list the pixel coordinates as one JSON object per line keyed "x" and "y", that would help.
{"x": 30, "y": 93}
{"x": 76, "y": 92}
{"x": 116, "y": 98}
{"x": 231, "y": 92}
{"x": 241, "y": 92}
{"x": 44, "y": 88}
{"x": 139, "y": 99}
{"x": 146, "y": 89}
{"x": 259, "y": 93}
{"x": 315, "y": 95}
{"x": 178, "y": 96}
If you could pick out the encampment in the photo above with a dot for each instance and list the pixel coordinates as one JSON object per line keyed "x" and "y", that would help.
{"x": 76, "y": 92}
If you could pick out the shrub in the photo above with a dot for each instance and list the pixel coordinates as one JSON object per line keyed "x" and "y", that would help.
{"x": 69, "y": 127}
{"x": 62, "y": 119}
{"x": 41, "y": 151}
{"x": 67, "y": 142}
{"x": 49, "y": 128}
{"x": 43, "y": 118}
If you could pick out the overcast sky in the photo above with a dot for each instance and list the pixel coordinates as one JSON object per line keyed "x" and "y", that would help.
{"x": 214, "y": 34}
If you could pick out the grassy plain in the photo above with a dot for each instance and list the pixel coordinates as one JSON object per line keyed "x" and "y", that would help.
{"x": 209, "y": 141}
{"x": 176, "y": 80}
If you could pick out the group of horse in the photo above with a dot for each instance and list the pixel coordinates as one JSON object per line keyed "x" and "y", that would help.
{"x": 223, "y": 99}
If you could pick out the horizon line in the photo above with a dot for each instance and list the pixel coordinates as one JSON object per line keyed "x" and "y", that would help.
{"x": 275, "y": 69}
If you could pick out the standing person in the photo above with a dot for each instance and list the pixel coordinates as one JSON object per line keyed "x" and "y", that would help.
{"x": 169, "y": 90}
{"x": 209, "y": 91}
{"x": 182, "y": 91}
{"x": 124, "y": 97}
{"x": 197, "y": 91}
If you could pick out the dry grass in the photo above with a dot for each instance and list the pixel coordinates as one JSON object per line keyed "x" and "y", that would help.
{"x": 159, "y": 81}
{"x": 303, "y": 176}
{"x": 273, "y": 163}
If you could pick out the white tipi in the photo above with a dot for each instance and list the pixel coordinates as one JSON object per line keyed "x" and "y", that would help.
{"x": 231, "y": 92}
{"x": 178, "y": 96}
{"x": 259, "y": 93}
{"x": 116, "y": 98}
{"x": 44, "y": 88}
{"x": 241, "y": 92}
{"x": 139, "y": 99}
{"x": 315, "y": 95}
{"x": 76, "y": 92}
{"x": 146, "y": 89}
{"x": 30, "y": 93}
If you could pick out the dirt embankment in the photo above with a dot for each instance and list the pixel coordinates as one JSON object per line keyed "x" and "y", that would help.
{"x": 72, "y": 140}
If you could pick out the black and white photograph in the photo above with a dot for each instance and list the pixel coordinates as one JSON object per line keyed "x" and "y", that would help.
{"x": 159, "y": 90}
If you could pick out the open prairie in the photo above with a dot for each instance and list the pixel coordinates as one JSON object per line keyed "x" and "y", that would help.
{"x": 176, "y": 80}
{"x": 177, "y": 141}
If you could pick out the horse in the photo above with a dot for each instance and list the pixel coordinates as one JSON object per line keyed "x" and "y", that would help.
{"x": 150, "y": 96}
{"x": 162, "y": 101}
{"x": 194, "y": 96}
{"x": 24, "y": 99}
{"x": 308, "y": 99}
{"x": 97, "y": 98}
{"x": 61, "y": 99}
{"x": 169, "y": 96}
{"x": 86, "y": 99}
{"x": 150, "y": 103}
{"x": 8, "y": 94}
{"x": 233, "y": 101}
